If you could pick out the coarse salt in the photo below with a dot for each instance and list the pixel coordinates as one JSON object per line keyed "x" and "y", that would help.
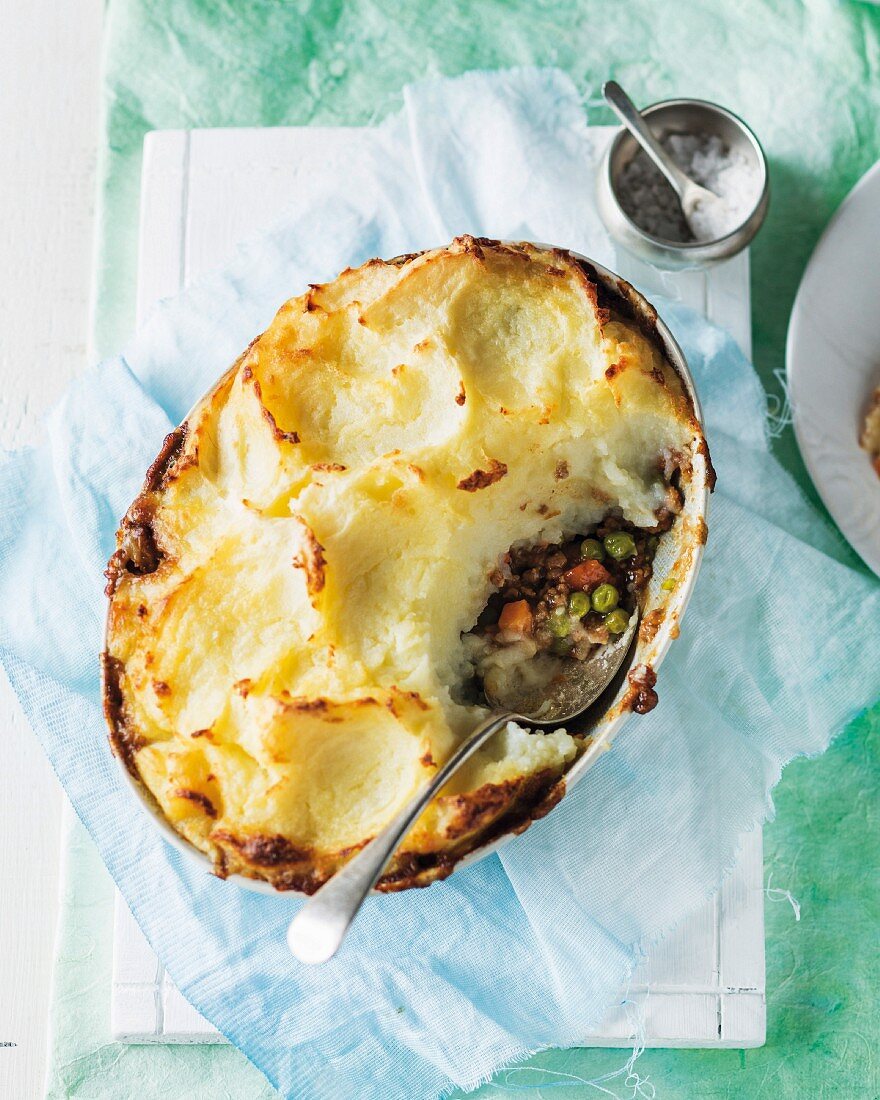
{"x": 647, "y": 198}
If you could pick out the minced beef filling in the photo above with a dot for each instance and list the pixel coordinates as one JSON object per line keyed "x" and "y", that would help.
{"x": 568, "y": 598}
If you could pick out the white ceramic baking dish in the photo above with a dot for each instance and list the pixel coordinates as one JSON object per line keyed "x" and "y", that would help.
{"x": 678, "y": 556}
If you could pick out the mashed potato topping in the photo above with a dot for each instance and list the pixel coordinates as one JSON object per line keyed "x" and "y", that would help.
{"x": 285, "y": 663}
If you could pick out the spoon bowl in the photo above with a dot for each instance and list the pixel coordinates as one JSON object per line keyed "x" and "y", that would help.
{"x": 573, "y": 690}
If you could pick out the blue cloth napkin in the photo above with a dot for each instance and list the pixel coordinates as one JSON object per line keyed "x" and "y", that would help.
{"x": 525, "y": 949}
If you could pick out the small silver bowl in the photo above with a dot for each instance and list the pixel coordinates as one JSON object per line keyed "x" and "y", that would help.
{"x": 681, "y": 116}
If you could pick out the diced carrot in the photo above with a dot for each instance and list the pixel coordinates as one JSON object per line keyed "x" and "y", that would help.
{"x": 588, "y": 574}
{"x": 516, "y": 616}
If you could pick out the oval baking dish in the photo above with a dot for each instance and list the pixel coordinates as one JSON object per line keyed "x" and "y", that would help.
{"x": 676, "y": 565}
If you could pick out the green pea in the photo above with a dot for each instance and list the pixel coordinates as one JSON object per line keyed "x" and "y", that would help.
{"x": 605, "y": 598}
{"x": 620, "y": 545}
{"x": 617, "y": 621}
{"x": 561, "y": 647}
{"x": 578, "y": 604}
{"x": 559, "y": 623}
{"x": 592, "y": 550}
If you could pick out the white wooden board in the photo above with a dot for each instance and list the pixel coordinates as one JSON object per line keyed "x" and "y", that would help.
{"x": 703, "y": 985}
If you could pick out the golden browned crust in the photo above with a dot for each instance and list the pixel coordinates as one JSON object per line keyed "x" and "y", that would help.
{"x": 481, "y": 479}
{"x": 168, "y": 455}
{"x": 200, "y": 799}
{"x": 137, "y": 551}
{"x": 711, "y": 476}
{"x": 247, "y": 375}
{"x": 641, "y": 696}
{"x": 651, "y": 624}
{"x": 477, "y": 819}
{"x": 123, "y": 740}
{"x": 312, "y": 560}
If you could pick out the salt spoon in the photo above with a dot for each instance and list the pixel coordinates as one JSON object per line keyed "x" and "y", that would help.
{"x": 317, "y": 931}
{"x": 690, "y": 194}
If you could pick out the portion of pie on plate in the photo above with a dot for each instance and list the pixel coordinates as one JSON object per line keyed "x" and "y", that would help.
{"x": 870, "y": 437}
{"x": 427, "y": 472}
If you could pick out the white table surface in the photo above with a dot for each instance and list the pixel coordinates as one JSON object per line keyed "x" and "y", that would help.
{"x": 49, "y": 128}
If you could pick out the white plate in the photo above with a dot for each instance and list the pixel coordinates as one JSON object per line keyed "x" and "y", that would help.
{"x": 833, "y": 364}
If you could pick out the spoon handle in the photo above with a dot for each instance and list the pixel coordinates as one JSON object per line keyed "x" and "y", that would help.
{"x": 628, "y": 114}
{"x": 317, "y": 931}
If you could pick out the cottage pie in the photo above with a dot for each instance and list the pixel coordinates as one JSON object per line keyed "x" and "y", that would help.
{"x": 423, "y": 472}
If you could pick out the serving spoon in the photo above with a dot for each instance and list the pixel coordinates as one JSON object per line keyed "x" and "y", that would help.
{"x": 690, "y": 194}
{"x": 317, "y": 931}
